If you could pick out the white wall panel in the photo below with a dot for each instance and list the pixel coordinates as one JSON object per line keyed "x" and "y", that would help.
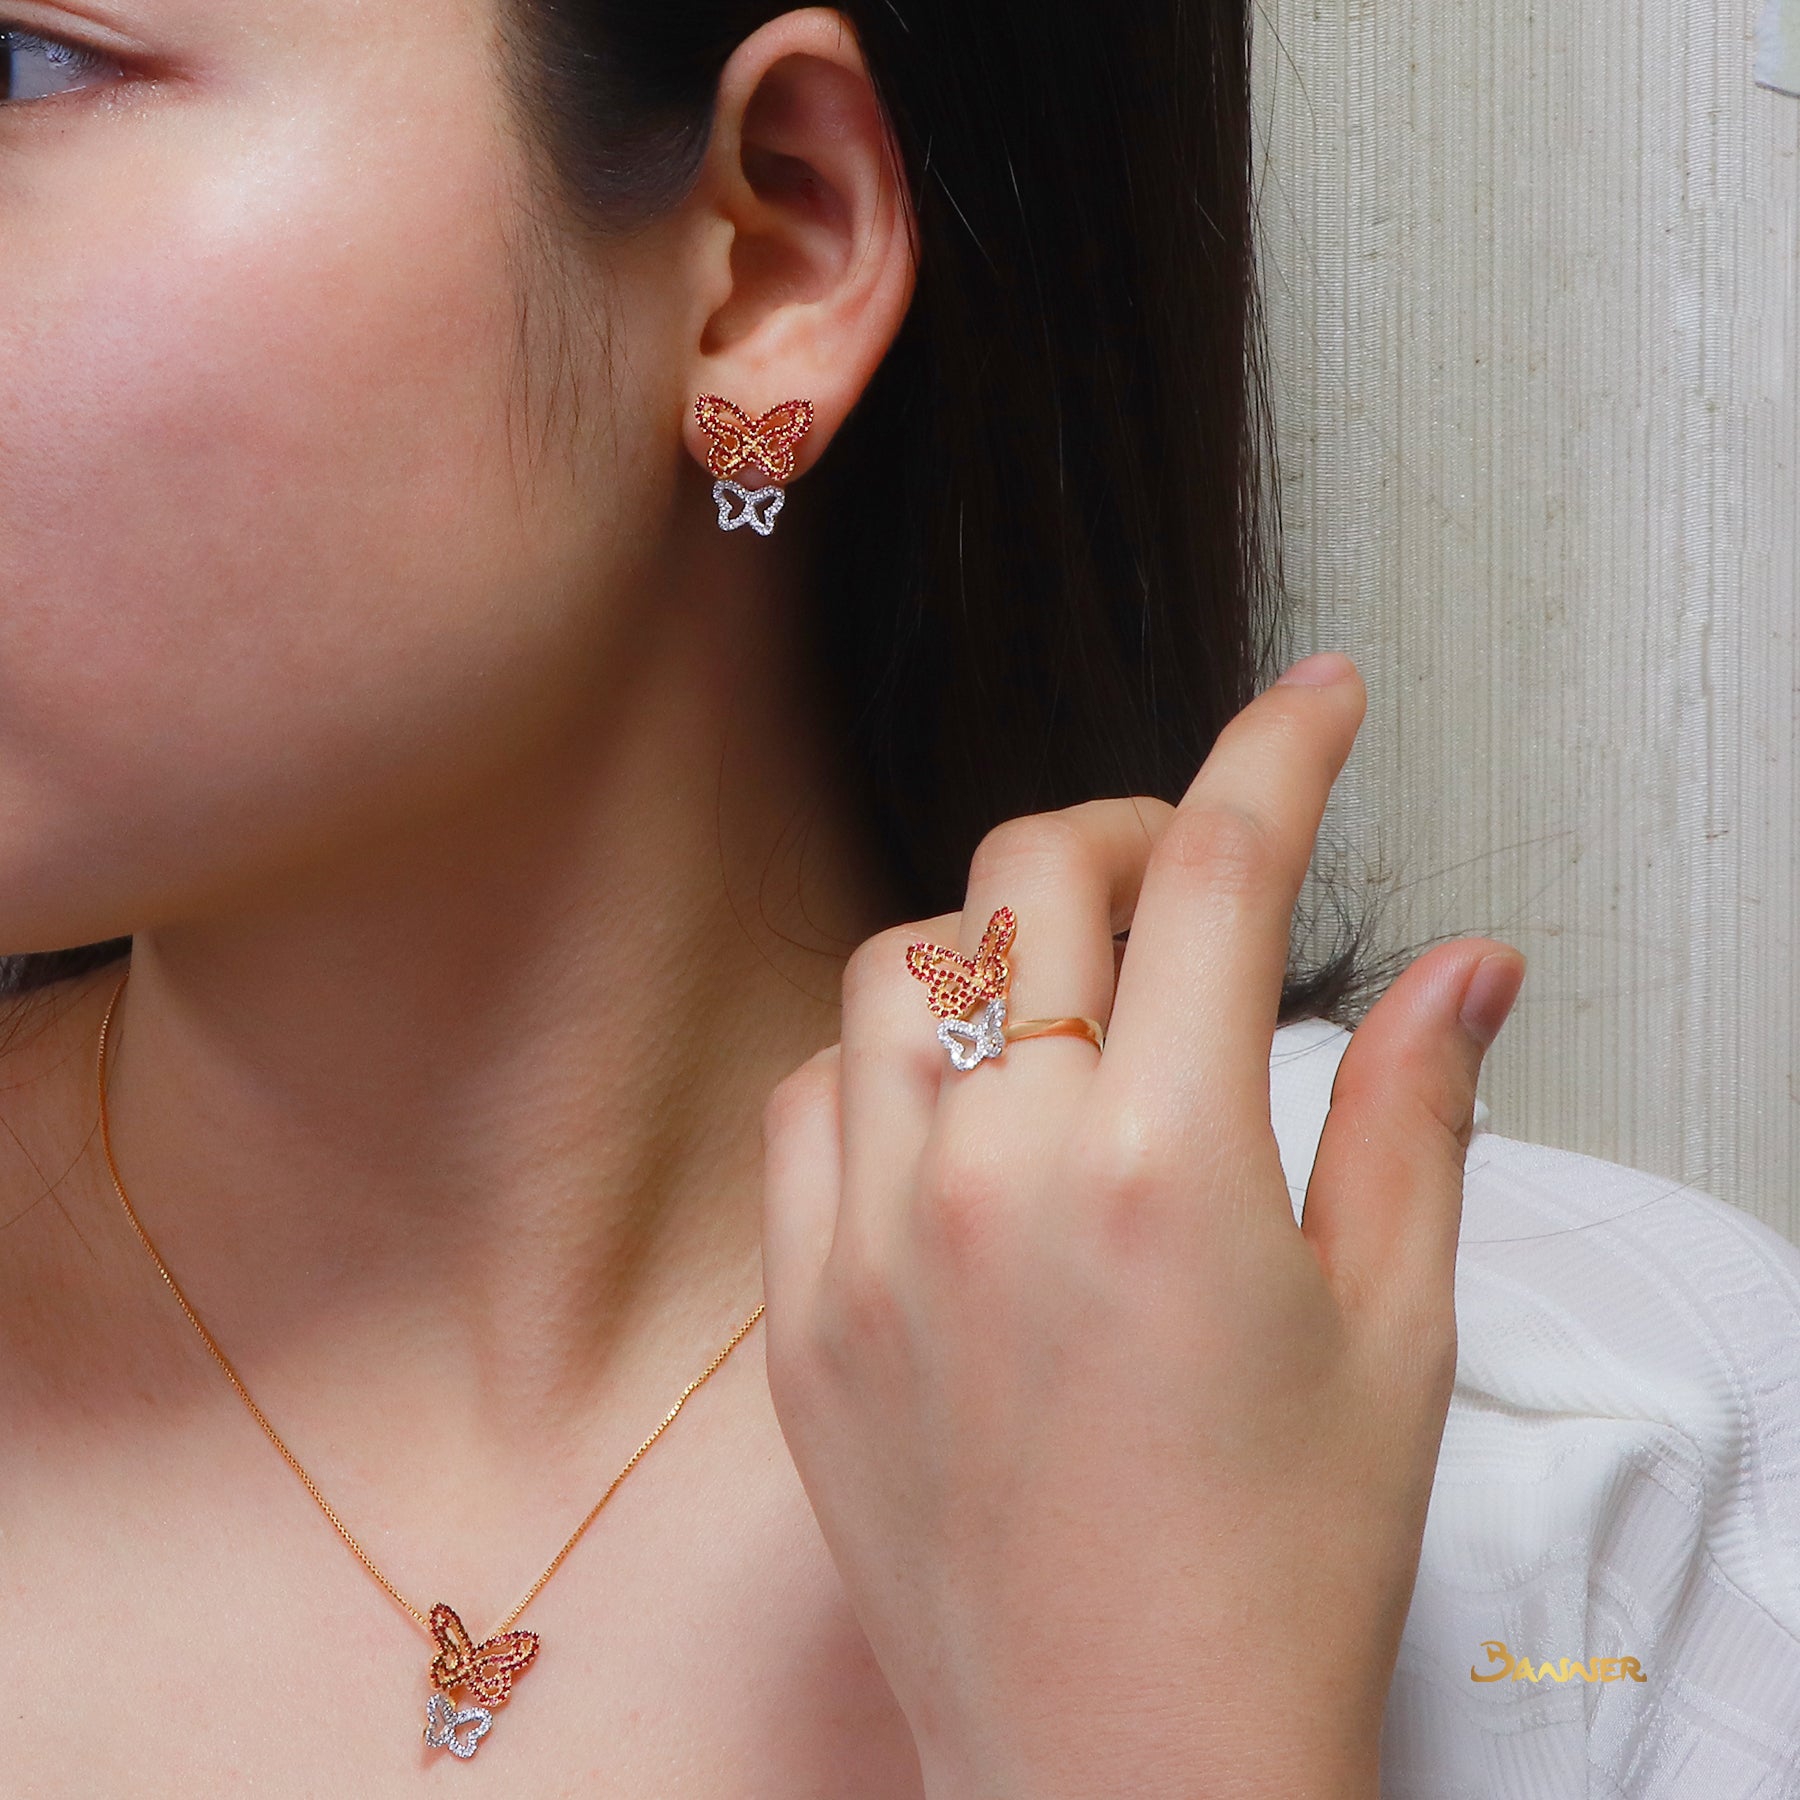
{"x": 1533, "y": 285}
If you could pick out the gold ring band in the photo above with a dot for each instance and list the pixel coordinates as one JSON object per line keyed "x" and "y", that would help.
{"x": 1091, "y": 1029}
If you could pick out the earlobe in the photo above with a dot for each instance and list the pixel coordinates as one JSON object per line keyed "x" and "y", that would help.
{"x": 816, "y": 266}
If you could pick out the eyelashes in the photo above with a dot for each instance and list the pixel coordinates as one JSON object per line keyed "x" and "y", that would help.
{"x": 33, "y": 66}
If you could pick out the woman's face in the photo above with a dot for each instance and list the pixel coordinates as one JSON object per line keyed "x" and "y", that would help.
{"x": 285, "y": 553}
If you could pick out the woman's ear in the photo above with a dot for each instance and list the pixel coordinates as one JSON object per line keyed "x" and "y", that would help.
{"x": 807, "y": 247}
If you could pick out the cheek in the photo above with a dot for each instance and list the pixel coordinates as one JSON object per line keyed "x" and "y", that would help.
{"x": 270, "y": 564}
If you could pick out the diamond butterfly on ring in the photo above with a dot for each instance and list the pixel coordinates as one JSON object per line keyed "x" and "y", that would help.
{"x": 969, "y": 1042}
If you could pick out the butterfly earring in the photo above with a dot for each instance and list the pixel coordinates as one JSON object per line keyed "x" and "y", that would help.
{"x": 738, "y": 439}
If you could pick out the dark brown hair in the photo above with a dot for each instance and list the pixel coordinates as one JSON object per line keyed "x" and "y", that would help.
{"x": 1042, "y": 546}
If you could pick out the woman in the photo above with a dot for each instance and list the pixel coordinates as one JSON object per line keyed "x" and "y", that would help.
{"x": 484, "y": 832}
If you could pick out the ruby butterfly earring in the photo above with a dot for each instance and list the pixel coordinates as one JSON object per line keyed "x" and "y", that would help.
{"x": 737, "y": 439}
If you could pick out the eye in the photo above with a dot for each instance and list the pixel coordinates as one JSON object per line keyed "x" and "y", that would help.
{"x": 34, "y": 67}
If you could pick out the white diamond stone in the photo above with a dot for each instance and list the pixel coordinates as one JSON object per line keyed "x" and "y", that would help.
{"x": 759, "y": 507}
{"x": 443, "y": 1720}
{"x": 968, "y": 1041}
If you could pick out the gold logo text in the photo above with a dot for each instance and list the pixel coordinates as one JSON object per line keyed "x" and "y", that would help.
{"x": 1518, "y": 1668}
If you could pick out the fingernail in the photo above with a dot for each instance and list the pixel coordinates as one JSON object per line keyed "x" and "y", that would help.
{"x": 1489, "y": 996}
{"x": 1318, "y": 670}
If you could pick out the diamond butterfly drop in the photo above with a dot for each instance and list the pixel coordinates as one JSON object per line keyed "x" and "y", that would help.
{"x": 759, "y": 506}
{"x": 443, "y": 1719}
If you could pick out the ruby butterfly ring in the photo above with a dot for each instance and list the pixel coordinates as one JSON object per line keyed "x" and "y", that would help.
{"x": 956, "y": 983}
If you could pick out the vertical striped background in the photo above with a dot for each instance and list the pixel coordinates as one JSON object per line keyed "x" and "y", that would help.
{"x": 1532, "y": 276}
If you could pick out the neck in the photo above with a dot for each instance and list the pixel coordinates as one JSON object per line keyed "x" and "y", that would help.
{"x": 449, "y": 1147}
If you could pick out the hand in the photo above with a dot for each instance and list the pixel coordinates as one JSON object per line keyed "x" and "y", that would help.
{"x": 1125, "y": 1474}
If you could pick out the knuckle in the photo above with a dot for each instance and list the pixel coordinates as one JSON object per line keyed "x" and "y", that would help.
{"x": 875, "y": 959}
{"x": 1120, "y": 1159}
{"x": 1032, "y": 840}
{"x": 1444, "y": 1114}
{"x": 1227, "y": 847}
{"x": 796, "y": 1094}
{"x": 1145, "y": 814}
{"x": 963, "y": 1198}
{"x": 1425, "y": 1103}
{"x": 857, "y": 1304}
{"x": 780, "y": 1111}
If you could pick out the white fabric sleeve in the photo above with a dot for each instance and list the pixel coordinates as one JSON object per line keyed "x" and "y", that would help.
{"x": 1619, "y": 1476}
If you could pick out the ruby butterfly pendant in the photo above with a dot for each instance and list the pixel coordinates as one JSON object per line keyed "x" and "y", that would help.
{"x": 487, "y": 1670}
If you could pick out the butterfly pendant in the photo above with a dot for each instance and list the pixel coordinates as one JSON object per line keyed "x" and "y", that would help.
{"x": 759, "y": 507}
{"x": 737, "y": 439}
{"x": 443, "y": 1720}
{"x": 955, "y": 983}
{"x": 487, "y": 1670}
{"x": 971, "y": 1040}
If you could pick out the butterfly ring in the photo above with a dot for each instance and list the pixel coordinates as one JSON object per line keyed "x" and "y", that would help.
{"x": 955, "y": 983}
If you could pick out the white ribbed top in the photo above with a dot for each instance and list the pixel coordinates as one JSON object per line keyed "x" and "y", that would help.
{"x": 1620, "y": 1475}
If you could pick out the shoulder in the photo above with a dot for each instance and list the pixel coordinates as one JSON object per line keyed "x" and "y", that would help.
{"x": 1619, "y": 1475}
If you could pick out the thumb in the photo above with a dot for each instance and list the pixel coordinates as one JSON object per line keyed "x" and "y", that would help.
{"x": 1384, "y": 1203}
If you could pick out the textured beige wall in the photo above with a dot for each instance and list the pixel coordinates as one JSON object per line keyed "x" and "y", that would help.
{"x": 1533, "y": 284}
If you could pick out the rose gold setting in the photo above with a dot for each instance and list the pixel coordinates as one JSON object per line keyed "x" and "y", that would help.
{"x": 770, "y": 439}
{"x": 954, "y": 983}
{"x": 486, "y": 1669}
{"x": 1091, "y": 1029}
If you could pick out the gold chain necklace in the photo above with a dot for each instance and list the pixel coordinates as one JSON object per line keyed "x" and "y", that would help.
{"x": 486, "y": 1670}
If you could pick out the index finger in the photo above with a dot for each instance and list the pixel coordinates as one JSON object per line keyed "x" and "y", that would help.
{"x": 1200, "y": 987}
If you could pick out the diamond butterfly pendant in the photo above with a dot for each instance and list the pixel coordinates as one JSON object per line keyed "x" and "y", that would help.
{"x": 486, "y": 1669}
{"x": 759, "y": 506}
{"x": 443, "y": 1720}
